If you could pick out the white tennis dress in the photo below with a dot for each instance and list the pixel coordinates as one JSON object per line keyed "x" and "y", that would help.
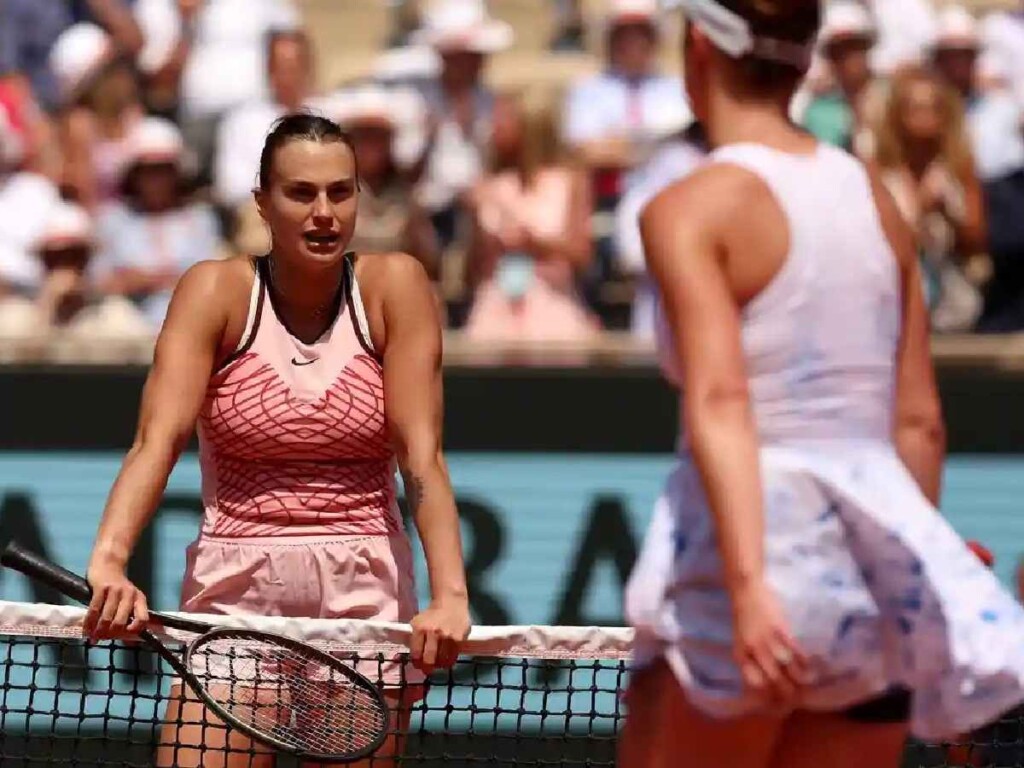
{"x": 877, "y": 588}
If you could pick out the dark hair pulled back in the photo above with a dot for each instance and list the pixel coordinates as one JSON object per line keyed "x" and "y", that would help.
{"x": 300, "y": 126}
{"x": 795, "y": 21}
{"x": 790, "y": 21}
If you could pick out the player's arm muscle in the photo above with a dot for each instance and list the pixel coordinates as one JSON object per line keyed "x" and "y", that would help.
{"x": 415, "y": 408}
{"x": 171, "y": 399}
{"x": 919, "y": 429}
{"x": 686, "y": 261}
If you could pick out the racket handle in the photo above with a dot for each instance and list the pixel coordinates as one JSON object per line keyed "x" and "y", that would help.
{"x": 34, "y": 566}
{"x": 74, "y": 586}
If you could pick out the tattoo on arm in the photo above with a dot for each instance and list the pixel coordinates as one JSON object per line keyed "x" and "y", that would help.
{"x": 413, "y": 491}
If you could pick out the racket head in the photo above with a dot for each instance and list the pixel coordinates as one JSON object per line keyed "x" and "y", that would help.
{"x": 288, "y": 695}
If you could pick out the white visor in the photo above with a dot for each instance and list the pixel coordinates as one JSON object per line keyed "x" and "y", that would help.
{"x": 731, "y": 34}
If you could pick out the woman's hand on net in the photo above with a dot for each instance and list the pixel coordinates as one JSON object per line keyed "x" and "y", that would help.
{"x": 772, "y": 663}
{"x": 437, "y": 633}
{"x": 118, "y": 608}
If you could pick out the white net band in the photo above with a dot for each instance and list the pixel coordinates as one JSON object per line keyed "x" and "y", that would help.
{"x": 347, "y": 635}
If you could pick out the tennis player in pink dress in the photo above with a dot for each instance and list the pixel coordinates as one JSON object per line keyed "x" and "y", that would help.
{"x": 311, "y": 374}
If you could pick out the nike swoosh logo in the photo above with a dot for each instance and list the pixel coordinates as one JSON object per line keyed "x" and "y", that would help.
{"x": 296, "y": 361}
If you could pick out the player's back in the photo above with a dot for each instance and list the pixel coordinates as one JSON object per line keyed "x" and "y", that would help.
{"x": 820, "y": 339}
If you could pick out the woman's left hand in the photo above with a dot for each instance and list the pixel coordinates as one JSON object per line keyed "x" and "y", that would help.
{"x": 437, "y": 633}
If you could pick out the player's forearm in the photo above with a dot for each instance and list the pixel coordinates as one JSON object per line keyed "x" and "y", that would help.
{"x": 132, "y": 502}
{"x": 921, "y": 445}
{"x": 724, "y": 446}
{"x": 429, "y": 495}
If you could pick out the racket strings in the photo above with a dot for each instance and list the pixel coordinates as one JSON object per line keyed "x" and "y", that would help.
{"x": 301, "y": 701}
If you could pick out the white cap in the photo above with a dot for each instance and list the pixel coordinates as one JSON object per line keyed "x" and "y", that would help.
{"x": 154, "y": 140}
{"x": 463, "y": 25}
{"x": 845, "y": 18}
{"x": 78, "y": 54}
{"x": 414, "y": 62}
{"x": 67, "y": 224}
{"x": 400, "y": 108}
{"x": 631, "y": 11}
{"x": 372, "y": 103}
{"x": 957, "y": 30}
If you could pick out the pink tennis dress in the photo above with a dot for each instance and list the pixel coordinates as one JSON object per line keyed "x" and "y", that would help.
{"x": 301, "y": 517}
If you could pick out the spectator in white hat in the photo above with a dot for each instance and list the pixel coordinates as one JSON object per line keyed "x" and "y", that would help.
{"x": 459, "y": 104}
{"x": 389, "y": 218}
{"x": 101, "y": 105}
{"x": 212, "y": 54}
{"x": 995, "y": 124}
{"x": 25, "y": 200}
{"x": 957, "y": 47}
{"x": 613, "y": 119}
{"x": 64, "y": 302}
{"x": 906, "y": 30}
{"x": 1003, "y": 33}
{"x": 846, "y": 38}
{"x": 994, "y": 120}
{"x": 241, "y": 134}
{"x": 613, "y": 115}
{"x": 149, "y": 240}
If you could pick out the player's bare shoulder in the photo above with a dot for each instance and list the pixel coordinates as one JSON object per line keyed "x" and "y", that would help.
{"x": 212, "y": 294}
{"x": 390, "y": 276}
{"x": 714, "y": 196}
{"x": 217, "y": 279}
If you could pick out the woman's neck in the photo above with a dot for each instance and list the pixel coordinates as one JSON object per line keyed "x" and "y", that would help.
{"x": 308, "y": 293}
{"x": 918, "y": 158}
{"x": 761, "y": 123}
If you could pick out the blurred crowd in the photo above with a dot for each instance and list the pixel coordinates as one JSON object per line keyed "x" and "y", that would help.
{"x": 508, "y": 145}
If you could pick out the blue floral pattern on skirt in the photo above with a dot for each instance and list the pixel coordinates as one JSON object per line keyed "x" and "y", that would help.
{"x": 877, "y": 587}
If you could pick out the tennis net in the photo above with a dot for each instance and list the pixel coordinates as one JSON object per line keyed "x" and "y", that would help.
{"x": 538, "y": 696}
{"x": 517, "y": 696}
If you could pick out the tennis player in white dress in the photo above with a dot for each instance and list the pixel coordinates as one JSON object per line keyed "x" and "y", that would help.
{"x": 798, "y": 602}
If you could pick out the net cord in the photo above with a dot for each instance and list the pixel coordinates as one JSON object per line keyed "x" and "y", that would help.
{"x": 348, "y": 635}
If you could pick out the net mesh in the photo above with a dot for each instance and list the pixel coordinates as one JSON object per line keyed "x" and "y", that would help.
{"x": 519, "y": 696}
{"x": 537, "y": 696}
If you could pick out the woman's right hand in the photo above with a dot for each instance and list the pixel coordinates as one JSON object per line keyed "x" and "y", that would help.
{"x": 772, "y": 664}
{"x": 118, "y": 608}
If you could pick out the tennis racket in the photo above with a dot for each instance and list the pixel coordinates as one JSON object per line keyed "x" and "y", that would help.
{"x": 285, "y": 694}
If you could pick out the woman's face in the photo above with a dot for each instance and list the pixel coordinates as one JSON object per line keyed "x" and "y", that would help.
{"x": 507, "y": 129}
{"x": 373, "y": 144}
{"x": 849, "y": 59}
{"x": 156, "y": 185}
{"x": 958, "y": 67}
{"x": 114, "y": 90}
{"x": 632, "y": 49}
{"x": 311, "y": 201}
{"x": 461, "y": 68}
{"x": 921, "y": 112}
